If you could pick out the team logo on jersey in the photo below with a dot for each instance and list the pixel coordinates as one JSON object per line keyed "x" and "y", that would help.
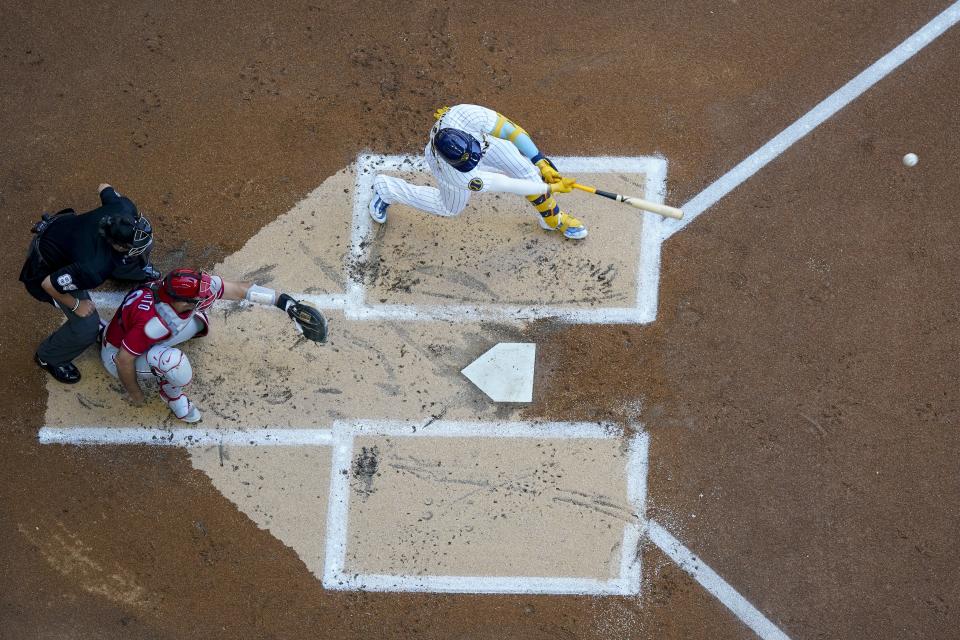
{"x": 66, "y": 282}
{"x": 475, "y": 185}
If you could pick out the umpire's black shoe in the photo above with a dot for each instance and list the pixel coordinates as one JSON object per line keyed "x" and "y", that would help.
{"x": 66, "y": 373}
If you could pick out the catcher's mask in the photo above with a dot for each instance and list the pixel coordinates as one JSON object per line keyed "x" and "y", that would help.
{"x": 133, "y": 233}
{"x": 458, "y": 148}
{"x": 187, "y": 285}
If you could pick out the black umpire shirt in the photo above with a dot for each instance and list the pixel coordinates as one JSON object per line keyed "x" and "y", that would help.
{"x": 73, "y": 252}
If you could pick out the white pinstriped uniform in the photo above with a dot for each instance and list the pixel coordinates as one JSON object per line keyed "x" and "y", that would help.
{"x": 502, "y": 168}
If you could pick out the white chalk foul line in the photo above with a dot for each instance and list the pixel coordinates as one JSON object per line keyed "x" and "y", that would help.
{"x": 481, "y": 584}
{"x": 85, "y": 435}
{"x": 112, "y": 300}
{"x": 713, "y": 583}
{"x": 464, "y": 429}
{"x": 313, "y": 436}
{"x": 497, "y": 313}
{"x": 814, "y": 118}
{"x": 452, "y": 313}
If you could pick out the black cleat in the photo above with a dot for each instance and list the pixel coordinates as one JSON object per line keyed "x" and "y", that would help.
{"x": 66, "y": 373}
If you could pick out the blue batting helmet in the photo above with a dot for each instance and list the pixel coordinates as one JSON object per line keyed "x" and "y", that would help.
{"x": 460, "y": 149}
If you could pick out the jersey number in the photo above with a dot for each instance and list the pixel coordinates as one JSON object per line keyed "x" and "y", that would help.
{"x": 133, "y": 296}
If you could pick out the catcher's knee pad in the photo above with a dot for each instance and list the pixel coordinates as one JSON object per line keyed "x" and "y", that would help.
{"x": 170, "y": 365}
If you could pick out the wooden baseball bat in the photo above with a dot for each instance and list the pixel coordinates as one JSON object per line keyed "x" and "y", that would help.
{"x": 639, "y": 203}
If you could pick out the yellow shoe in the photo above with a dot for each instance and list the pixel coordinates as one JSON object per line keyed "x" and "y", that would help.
{"x": 566, "y": 224}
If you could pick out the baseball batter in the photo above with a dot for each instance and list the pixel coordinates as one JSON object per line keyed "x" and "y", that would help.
{"x": 140, "y": 341}
{"x": 473, "y": 149}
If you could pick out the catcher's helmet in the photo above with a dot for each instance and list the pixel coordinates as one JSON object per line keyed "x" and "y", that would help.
{"x": 134, "y": 233}
{"x": 187, "y": 285}
{"x": 460, "y": 149}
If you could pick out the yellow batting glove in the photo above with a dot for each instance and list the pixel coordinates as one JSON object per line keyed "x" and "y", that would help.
{"x": 548, "y": 172}
{"x": 562, "y": 185}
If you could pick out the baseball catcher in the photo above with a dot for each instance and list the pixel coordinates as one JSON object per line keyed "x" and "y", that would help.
{"x": 140, "y": 341}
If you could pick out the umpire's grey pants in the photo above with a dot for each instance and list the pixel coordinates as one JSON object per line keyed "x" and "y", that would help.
{"x": 73, "y": 336}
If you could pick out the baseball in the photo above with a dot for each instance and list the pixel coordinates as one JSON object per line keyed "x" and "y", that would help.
{"x": 910, "y": 159}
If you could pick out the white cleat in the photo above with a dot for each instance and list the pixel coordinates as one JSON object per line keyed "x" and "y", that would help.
{"x": 184, "y": 409}
{"x": 193, "y": 416}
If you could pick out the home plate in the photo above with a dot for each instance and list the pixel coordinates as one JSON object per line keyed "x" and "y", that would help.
{"x": 505, "y": 372}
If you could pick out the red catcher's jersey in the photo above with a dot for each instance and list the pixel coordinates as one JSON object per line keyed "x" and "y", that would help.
{"x": 128, "y": 328}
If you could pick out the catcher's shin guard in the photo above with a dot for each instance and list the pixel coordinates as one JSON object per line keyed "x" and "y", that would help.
{"x": 179, "y": 404}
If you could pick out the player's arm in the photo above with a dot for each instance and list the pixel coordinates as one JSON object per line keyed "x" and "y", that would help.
{"x": 499, "y": 183}
{"x": 62, "y": 284}
{"x": 66, "y": 300}
{"x": 309, "y": 322}
{"x": 236, "y": 290}
{"x": 107, "y": 194}
{"x": 127, "y": 372}
{"x": 506, "y": 129}
{"x": 250, "y": 292}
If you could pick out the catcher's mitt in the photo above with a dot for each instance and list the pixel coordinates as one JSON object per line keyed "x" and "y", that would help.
{"x": 306, "y": 318}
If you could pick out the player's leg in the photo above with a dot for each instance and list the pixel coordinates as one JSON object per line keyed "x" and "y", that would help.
{"x": 174, "y": 373}
{"x": 55, "y": 354}
{"x": 169, "y": 367}
{"x": 108, "y": 357}
{"x": 504, "y": 157}
{"x": 439, "y": 202}
{"x": 442, "y": 201}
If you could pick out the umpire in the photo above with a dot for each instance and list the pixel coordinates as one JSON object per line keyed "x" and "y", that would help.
{"x": 71, "y": 254}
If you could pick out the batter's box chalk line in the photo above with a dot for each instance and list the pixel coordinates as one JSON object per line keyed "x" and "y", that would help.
{"x": 626, "y": 583}
{"x": 647, "y": 270}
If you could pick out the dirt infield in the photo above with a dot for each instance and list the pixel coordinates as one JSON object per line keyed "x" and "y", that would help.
{"x": 798, "y": 384}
